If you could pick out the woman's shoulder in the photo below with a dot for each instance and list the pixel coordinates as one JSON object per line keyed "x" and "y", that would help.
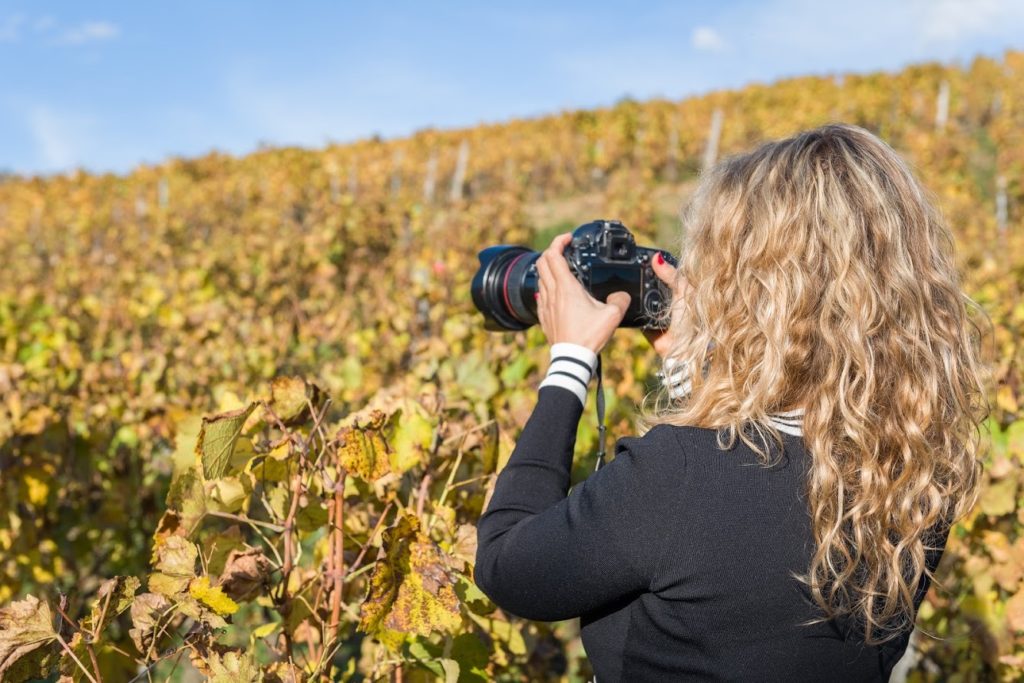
{"x": 670, "y": 445}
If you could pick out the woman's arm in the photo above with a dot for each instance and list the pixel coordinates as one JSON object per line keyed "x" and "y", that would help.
{"x": 545, "y": 556}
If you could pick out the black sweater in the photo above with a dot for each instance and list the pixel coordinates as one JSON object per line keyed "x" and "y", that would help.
{"x": 677, "y": 556}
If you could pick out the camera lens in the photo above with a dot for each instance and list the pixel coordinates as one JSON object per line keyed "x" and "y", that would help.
{"x": 504, "y": 286}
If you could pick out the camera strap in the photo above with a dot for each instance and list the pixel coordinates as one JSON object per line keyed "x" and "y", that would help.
{"x": 601, "y": 428}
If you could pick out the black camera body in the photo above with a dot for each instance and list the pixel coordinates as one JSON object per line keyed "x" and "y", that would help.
{"x": 604, "y": 257}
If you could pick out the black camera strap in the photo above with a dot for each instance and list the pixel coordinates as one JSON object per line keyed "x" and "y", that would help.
{"x": 601, "y": 428}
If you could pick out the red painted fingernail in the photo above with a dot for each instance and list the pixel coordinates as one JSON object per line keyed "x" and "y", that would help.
{"x": 536, "y": 295}
{"x": 659, "y": 258}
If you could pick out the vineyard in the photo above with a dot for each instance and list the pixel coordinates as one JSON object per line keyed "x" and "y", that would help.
{"x": 249, "y": 416}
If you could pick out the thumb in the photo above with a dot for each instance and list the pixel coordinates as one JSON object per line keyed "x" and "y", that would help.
{"x": 621, "y": 301}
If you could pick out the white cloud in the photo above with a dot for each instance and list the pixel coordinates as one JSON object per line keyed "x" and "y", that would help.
{"x": 46, "y": 28}
{"x": 59, "y": 139}
{"x": 10, "y": 28}
{"x": 951, "y": 20}
{"x": 707, "y": 39}
{"x": 89, "y": 32}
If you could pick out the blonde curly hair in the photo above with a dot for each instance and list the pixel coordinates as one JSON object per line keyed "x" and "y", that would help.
{"x": 823, "y": 278}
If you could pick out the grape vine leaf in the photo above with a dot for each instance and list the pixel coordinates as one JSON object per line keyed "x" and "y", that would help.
{"x": 27, "y": 637}
{"x": 217, "y": 438}
{"x": 412, "y": 589}
{"x": 175, "y": 568}
{"x": 363, "y": 451}
{"x": 147, "y": 610}
{"x": 233, "y": 667}
{"x": 412, "y": 438}
{"x": 291, "y": 398}
{"x": 114, "y": 597}
{"x": 245, "y": 573}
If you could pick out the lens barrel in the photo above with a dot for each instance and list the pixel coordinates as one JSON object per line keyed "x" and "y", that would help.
{"x": 504, "y": 286}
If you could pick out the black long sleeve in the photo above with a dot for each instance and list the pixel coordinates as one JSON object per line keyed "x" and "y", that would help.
{"x": 678, "y": 557}
{"x": 547, "y": 556}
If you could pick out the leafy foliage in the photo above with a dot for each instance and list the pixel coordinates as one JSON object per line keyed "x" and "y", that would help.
{"x": 318, "y": 522}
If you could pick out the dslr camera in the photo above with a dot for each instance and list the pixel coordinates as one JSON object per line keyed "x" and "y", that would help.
{"x": 604, "y": 257}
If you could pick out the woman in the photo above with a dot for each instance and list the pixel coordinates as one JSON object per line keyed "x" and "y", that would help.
{"x": 783, "y": 518}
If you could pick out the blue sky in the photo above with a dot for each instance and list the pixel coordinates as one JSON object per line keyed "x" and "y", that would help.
{"x": 109, "y": 85}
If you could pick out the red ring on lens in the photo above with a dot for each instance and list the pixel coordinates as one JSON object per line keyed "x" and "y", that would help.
{"x": 504, "y": 287}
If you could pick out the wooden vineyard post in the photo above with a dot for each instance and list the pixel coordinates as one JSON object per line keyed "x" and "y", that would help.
{"x": 459, "y": 179}
{"x": 396, "y": 172}
{"x": 942, "y": 106}
{"x": 430, "y": 179}
{"x": 714, "y": 133}
{"x": 672, "y": 158}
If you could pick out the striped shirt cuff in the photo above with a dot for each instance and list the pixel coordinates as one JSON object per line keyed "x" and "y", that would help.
{"x": 571, "y": 368}
{"x": 676, "y": 378}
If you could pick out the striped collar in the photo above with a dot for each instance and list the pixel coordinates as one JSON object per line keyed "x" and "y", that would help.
{"x": 789, "y": 422}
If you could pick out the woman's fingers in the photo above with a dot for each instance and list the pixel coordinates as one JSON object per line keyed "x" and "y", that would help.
{"x": 665, "y": 271}
{"x": 557, "y": 264}
{"x": 544, "y": 277}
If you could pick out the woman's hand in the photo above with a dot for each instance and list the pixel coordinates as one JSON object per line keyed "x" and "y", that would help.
{"x": 666, "y": 272}
{"x": 566, "y": 310}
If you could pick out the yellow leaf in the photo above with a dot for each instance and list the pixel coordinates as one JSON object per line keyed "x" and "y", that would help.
{"x": 212, "y": 596}
{"x": 37, "y": 489}
{"x": 1005, "y": 399}
{"x": 265, "y": 630}
{"x": 412, "y": 589}
{"x": 291, "y": 397}
{"x": 363, "y": 451}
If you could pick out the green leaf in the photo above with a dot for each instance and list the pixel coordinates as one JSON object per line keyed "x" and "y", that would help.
{"x": 472, "y": 597}
{"x": 469, "y": 651}
{"x": 217, "y": 438}
{"x": 515, "y": 372}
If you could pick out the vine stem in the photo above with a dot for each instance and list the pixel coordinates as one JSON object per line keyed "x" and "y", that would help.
{"x": 277, "y": 528}
{"x": 94, "y": 635}
{"x": 286, "y": 569}
{"x": 71, "y": 654}
{"x": 366, "y": 546}
{"x": 338, "y": 559}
